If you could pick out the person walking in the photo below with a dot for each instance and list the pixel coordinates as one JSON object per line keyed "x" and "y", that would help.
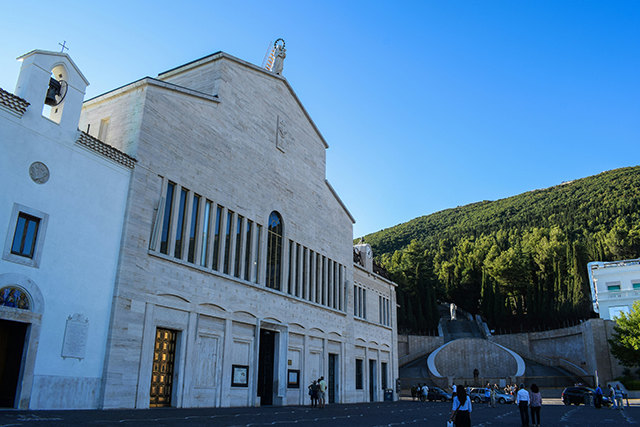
{"x": 522, "y": 400}
{"x": 619, "y": 402}
{"x": 322, "y": 385}
{"x": 461, "y": 410}
{"x": 612, "y": 397}
{"x": 535, "y": 403}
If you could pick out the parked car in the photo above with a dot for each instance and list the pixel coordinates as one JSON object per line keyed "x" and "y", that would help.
{"x": 578, "y": 395}
{"x": 436, "y": 393}
{"x": 477, "y": 396}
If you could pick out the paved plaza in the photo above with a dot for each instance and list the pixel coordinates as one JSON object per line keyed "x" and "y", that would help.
{"x": 404, "y": 412}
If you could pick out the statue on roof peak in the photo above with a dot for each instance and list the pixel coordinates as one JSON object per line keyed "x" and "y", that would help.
{"x": 280, "y": 54}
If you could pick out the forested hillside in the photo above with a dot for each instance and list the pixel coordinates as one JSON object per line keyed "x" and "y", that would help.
{"x": 517, "y": 261}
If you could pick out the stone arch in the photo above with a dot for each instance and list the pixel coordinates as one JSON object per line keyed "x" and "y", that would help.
{"x": 29, "y": 286}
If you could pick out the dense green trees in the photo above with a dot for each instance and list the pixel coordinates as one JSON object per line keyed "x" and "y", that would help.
{"x": 517, "y": 261}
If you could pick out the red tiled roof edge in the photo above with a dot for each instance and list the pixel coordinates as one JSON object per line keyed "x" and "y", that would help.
{"x": 13, "y": 102}
{"x": 106, "y": 150}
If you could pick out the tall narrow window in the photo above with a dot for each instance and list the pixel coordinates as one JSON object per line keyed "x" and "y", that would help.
{"x": 274, "y": 251}
{"x": 166, "y": 221}
{"x": 298, "y": 269}
{"x": 205, "y": 234}
{"x": 305, "y": 281}
{"x": 334, "y": 283}
{"x": 24, "y": 239}
{"x": 104, "y": 129}
{"x": 247, "y": 251}
{"x": 238, "y": 260}
{"x": 364, "y": 303}
{"x": 324, "y": 281}
{"x": 180, "y": 223}
{"x": 341, "y": 287}
{"x": 256, "y": 272}
{"x": 217, "y": 239}
{"x": 227, "y": 244}
{"x": 291, "y": 269}
{"x": 193, "y": 228}
{"x": 319, "y": 278}
{"x": 312, "y": 276}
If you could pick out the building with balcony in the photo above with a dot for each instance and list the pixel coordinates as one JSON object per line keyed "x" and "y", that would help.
{"x": 614, "y": 286}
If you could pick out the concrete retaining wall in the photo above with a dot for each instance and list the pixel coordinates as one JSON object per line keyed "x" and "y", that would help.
{"x": 413, "y": 347}
{"x": 581, "y": 349}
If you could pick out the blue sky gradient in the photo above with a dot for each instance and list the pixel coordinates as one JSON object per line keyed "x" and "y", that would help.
{"x": 426, "y": 105}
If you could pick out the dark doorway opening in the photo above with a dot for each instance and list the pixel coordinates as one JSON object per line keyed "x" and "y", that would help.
{"x": 372, "y": 380}
{"x": 164, "y": 355}
{"x": 12, "y": 338}
{"x": 265, "y": 366}
{"x": 333, "y": 366}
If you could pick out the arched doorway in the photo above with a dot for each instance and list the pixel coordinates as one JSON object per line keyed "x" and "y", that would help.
{"x": 21, "y": 309}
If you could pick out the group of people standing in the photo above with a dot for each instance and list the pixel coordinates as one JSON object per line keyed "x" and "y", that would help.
{"x": 529, "y": 400}
{"x": 615, "y": 397}
{"x": 420, "y": 391}
{"x": 317, "y": 392}
{"x": 526, "y": 401}
{"x": 490, "y": 395}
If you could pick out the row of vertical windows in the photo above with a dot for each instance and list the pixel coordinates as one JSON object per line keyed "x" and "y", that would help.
{"x": 201, "y": 237}
{"x": 359, "y": 302}
{"x": 384, "y": 306}
{"x": 315, "y": 277}
{"x": 202, "y": 232}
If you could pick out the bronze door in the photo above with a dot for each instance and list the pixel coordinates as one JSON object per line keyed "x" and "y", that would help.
{"x": 163, "y": 362}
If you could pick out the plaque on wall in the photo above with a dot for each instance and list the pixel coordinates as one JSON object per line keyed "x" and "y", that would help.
{"x": 75, "y": 337}
{"x": 240, "y": 376}
{"x": 39, "y": 172}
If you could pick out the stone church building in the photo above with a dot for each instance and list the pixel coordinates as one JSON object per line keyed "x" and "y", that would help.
{"x": 235, "y": 282}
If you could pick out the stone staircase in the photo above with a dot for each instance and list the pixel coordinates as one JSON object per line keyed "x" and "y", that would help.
{"x": 461, "y": 327}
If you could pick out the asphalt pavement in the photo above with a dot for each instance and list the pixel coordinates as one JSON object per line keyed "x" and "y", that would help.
{"x": 403, "y": 412}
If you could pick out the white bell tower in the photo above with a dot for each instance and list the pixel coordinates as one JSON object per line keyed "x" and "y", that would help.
{"x": 52, "y": 79}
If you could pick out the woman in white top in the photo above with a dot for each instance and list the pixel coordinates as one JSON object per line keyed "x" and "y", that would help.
{"x": 461, "y": 408}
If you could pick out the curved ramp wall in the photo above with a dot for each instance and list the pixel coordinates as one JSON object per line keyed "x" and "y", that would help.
{"x": 458, "y": 359}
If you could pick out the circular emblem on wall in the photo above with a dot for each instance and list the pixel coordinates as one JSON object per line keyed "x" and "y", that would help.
{"x": 39, "y": 172}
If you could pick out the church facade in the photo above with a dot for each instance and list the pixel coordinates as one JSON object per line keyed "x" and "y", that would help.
{"x": 236, "y": 276}
{"x": 61, "y": 216}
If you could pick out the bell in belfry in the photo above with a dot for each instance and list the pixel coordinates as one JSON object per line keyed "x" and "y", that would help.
{"x": 54, "y": 89}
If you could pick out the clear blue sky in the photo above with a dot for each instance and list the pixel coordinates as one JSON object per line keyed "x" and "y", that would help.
{"x": 426, "y": 105}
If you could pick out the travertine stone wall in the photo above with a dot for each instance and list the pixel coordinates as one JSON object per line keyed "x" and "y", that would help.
{"x": 223, "y": 148}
